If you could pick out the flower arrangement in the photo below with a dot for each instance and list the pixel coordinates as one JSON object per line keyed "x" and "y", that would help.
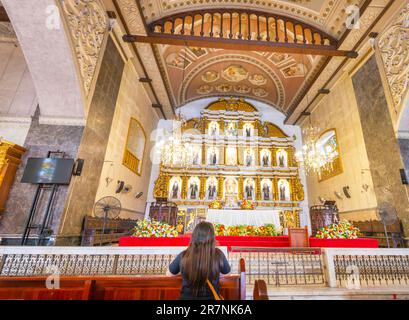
{"x": 245, "y": 230}
{"x": 247, "y": 204}
{"x": 216, "y": 204}
{"x": 154, "y": 229}
{"x": 341, "y": 230}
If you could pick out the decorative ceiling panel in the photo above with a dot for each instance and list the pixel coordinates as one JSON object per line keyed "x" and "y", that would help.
{"x": 328, "y": 15}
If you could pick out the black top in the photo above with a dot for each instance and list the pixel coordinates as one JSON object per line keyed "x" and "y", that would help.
{"x": 185, "y": 293}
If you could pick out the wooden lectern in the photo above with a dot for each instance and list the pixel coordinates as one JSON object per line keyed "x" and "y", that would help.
{"x": 10, "y": 159}
{"x": 298, "y": 237}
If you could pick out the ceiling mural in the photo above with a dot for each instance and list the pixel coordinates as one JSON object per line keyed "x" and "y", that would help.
{"x": 195, "y": 73}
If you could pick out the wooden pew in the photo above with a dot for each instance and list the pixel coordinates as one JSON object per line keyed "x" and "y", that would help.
{"x": 232, "y": 287}
{"x": 260, "y": 290}
{"x": 114, "y": 229}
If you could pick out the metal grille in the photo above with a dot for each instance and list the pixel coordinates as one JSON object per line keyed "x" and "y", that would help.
{"x": 371, "y": 270}
{"x": 280, "y": 266}
{"x": 84, "y": 264}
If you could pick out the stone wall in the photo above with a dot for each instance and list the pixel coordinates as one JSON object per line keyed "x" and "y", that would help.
{"x": 380, "y": 140}
{"x": 40, "y": 139}
{"x": 93, "y": 146}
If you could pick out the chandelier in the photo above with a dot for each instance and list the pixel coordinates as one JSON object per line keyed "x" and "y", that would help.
{"x": 313, "y": 157}
{"x": 175, "y": 151}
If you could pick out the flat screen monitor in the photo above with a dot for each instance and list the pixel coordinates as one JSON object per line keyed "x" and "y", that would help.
{"x": 48, "y": 171}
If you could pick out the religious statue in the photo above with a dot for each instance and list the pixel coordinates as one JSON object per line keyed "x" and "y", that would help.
{"x": 213, "y": 158}
{"x": 230, "y": 129}
{"x": 213, "y": 129}
{"x": 175, "y": 190}
{"x": 193, "y": 190}
{"x": 283, "y": 195}
{"x": 281, "y": 160}
{"x": 266, "y": 191}
{"x": 195, "y": 157}
{"x": 211, "y": 190}
{"x": 249, "y": 191}
{"x": 265, "y": 160}
{"x": 248, "y": 132}
{"x": 248, "y": 159}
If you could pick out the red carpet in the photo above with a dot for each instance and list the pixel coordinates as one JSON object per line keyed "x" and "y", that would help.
{"x": 263, "y": 242}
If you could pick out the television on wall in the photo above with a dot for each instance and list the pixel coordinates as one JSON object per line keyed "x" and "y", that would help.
{"x": 48, "y": 171}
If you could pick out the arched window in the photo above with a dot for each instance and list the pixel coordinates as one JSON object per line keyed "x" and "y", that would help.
{"x": 135, "y": 147}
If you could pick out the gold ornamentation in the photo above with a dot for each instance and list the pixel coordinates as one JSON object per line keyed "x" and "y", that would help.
{"x": 185, "y": 181}
{"x": 235, "y": 73}
{"x": 394, "y": 49}
{"x": 161, "y": 187}
{"x": 88, "y": 24}
{"x": 298, "y": 190}
{"x": 202, "y": 193}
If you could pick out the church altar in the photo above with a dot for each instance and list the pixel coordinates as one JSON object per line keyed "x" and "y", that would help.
{"x": 231, "y": 217}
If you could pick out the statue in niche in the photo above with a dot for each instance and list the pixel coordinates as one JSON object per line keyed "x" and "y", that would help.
{"x": 248, "y": 132}
{"x": 211, "y": 190}
{"x": 230, "y": 129}
{"x": 249, "y": 159}
{"x": 281, "y": 160}
{"x": 195, "y": 157}
{"x": 175, "y": 190}
{"x": 213, "y": 129}
{"x": 265, "y": 160}
{"x": 266, "y": 191}
{"x": 213, "y": 158}
{"x": 282, "y": 189}
{"x": 230, "y": 187}
{"x": 193, "y": 190}
{"x": 249, "y": 191}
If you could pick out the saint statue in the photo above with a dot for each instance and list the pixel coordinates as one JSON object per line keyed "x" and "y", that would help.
{"x": 248, "y": 132}
{"x": 266, "y": 191}
{"x": 211, "y": 190}
{"x": 265, "y": 160}
{"x": 193, "y": 190}
{"x": 248, "y": 159}
{"x": 175, "y": 190}
{"x": 283, "y": 196}
{"x": 213, "y": 129}
{"x": 195, "y": 157}
{"x": 213, "y": 158}
{"x": 230, "y": 187}
{"x": 249, "y": 191}
{"x": 281, "y": 160}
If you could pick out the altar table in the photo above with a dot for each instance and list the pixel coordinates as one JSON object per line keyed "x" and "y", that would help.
{"x": 230, "y": 217}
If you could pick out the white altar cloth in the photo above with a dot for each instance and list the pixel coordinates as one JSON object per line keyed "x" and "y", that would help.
{"x": 230, "y": 217}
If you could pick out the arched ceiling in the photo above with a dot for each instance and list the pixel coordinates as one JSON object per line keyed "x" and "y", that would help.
{"x": 328, "y": 15}
{"x": 285, "y": 79}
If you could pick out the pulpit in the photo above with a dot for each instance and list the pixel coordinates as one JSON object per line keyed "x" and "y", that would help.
{"x": 10, "y": 159}
{"x": 322, "y": 216}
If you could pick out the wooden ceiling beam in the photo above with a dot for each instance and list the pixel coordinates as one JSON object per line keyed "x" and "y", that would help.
{"x": 237, "y": 44}
{"x": 3, "y": 15}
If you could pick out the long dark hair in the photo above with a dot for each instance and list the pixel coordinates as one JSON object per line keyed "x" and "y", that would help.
{"x": 201, "y": 260}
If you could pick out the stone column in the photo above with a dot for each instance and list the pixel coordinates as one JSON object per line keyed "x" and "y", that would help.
{"x": 380, "y": 140}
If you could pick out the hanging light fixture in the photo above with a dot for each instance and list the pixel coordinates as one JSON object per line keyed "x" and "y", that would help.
{"x": 176, "y": 150}
{"x": 313, "y": 157}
